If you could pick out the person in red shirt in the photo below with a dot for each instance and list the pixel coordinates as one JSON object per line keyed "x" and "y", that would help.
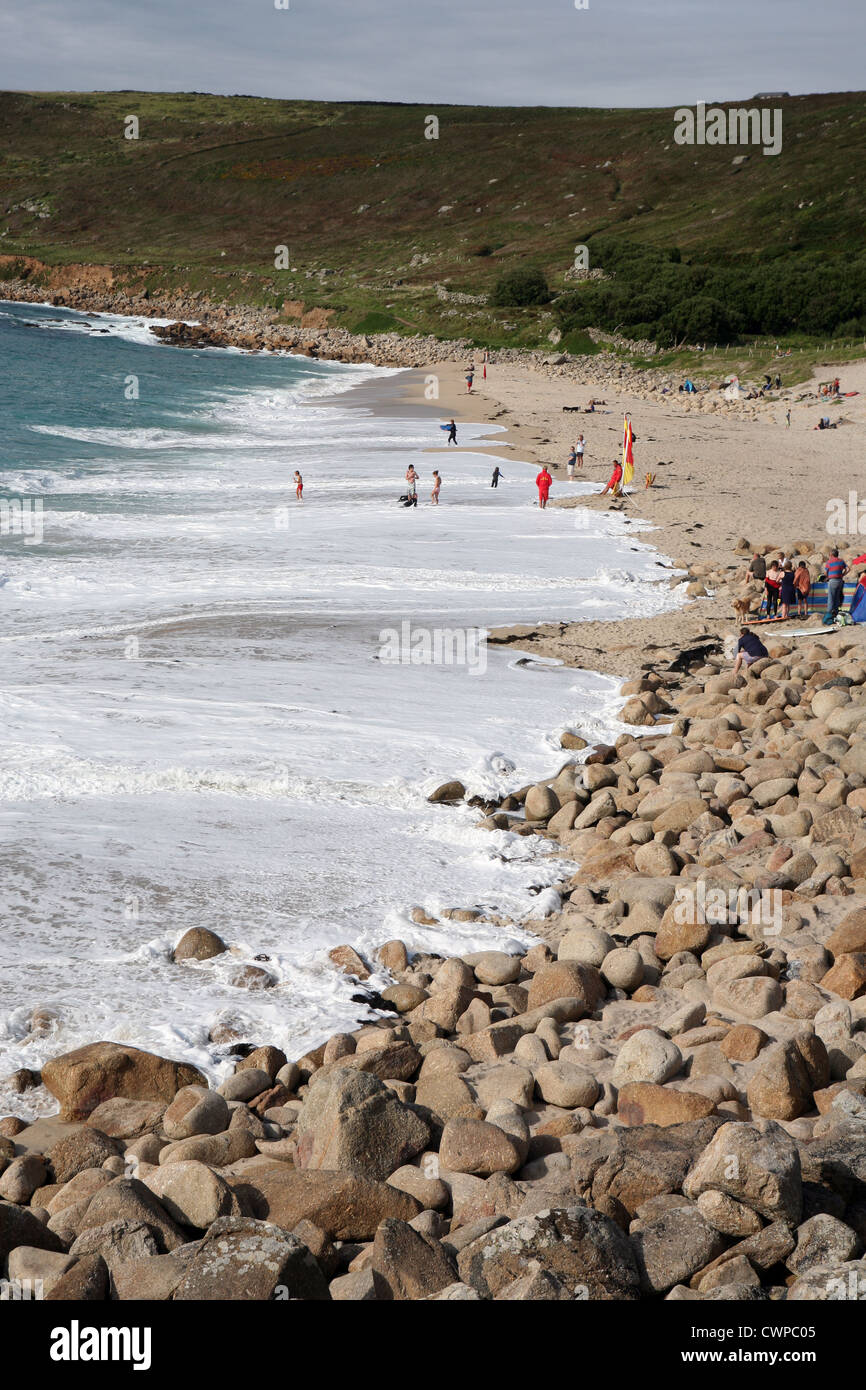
{"x": 614, "y": 480}
{"x": 773, "y": 587}
{"x": 542, "y": 482}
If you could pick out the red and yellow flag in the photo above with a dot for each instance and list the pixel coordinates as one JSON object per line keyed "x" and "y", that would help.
{"x": 627, "y": 452}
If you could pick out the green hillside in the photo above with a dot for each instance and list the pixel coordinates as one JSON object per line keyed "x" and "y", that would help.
{"x": 375, "y": 215}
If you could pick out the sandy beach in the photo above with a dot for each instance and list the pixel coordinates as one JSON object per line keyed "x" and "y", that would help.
{"x": 720, "y": 478}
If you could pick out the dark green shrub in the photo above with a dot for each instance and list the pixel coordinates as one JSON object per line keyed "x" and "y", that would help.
{"x": 519, "y": 288}
{"x": 701, "y": 320}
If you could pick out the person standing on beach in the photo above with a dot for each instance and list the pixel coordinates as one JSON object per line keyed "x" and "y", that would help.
{"x": 803, "y": 587}
{"x": 579, "y": 449}
{"x": 542, "y": 482}
{"x": 788, "y": 591}
{"x": 788, "y": 419}
{"x": 299, "y": 486}
{"x": 772, "y": 587}
{"x": 835, "y": 570}
{"x": 485, "y": 359}
{"x": 412, "y": 481}
{"x": 470, "y": 376}
{"x": 452, "y": 432}
{"x": 497, "y": 474}
{"x": 437, "y": 483}
{"x": 572, "y": 460}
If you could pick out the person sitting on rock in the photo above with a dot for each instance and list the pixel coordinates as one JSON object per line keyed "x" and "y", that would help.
{"x": 757, "y": 569}
{"x": 749, "y": 649}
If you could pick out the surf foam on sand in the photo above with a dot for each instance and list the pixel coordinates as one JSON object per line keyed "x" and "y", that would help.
{"x": 201, "y": 725}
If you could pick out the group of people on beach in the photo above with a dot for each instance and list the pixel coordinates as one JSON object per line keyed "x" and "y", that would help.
{"x": 785, "y": 583}
{"x": 412, "y": 480}
{"x": 575, "y": 458}
{"x": 470, "y": 371}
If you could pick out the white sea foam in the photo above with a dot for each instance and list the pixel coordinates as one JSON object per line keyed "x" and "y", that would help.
{"x": 133, "y": 328}
{"x": 200, "y": 727}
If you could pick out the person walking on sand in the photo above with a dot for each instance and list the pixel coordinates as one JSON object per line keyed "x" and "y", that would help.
{"x": 614, "y": 481}
{"x": 299, "y": 486}
{"x": 835, "y": 570}
{"x": 452, "y": 432}
{"x": 572, "y": 460}
{"x": 579, "y": 450}
{"x": 542, "y": 482}
{"x": 437, "y": 483}
{"x": 485, "y": 359}
{"x": 470, "y": 376}
{"x": 497, "y": 474}
{"x": 788, "y": 419}
{"x": 803, "y": 587}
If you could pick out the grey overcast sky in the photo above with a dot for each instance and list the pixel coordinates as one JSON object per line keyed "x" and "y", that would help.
{"x": 481, "y": 52}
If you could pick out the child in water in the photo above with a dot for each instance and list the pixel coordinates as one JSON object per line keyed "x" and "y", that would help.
{"x": 437, "y": 483}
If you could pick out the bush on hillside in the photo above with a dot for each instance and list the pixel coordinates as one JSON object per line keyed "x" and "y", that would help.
{"x": 700, "y": 320}
{"x": 654, "y": 293}
{"x": 520, "y": 288}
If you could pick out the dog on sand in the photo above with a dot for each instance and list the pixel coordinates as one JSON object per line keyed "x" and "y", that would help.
{"x": 742, "y": 608}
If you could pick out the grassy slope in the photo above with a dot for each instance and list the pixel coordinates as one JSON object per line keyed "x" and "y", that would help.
{"x": 239, "y": 176}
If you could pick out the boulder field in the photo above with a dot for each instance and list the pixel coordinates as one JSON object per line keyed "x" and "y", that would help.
{"x": 663, "y": 1097}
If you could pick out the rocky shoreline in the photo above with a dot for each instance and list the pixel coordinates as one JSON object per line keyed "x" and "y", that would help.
{"x": 198, "y": 322}
{"x": 665, "y": 1097}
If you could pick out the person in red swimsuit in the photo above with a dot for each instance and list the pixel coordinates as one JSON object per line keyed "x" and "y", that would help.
{"x": 614, "y": 480}
{"x": 299, "y": 486}
{"x": 542, "y": 482}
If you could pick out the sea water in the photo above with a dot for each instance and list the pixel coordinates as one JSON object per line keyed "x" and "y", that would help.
{"x": 223, "y": 707}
